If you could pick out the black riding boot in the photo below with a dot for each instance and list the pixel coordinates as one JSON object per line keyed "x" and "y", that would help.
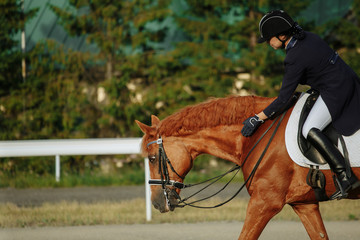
{"x": 335, "y": 160}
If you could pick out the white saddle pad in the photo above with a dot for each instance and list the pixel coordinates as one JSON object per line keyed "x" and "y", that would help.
{"x": 352, "y": 142}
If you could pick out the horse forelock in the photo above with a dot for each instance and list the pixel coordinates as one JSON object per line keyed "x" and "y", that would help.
{"x": 212, "y": 113}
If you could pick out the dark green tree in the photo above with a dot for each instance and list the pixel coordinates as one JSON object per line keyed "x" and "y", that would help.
{"x": 12, "y": 21}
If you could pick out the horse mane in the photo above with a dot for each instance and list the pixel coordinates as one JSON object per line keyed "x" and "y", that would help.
{"x": 212, "y": 113}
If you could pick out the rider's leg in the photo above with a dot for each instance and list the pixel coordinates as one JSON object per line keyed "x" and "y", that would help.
{"x": 319, "y": 117}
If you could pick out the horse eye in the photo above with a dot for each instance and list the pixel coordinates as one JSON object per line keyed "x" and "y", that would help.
{"x": 152, "y": 158}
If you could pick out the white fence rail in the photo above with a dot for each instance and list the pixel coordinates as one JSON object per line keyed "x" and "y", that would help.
{"x": 66, "y": 147}
{"x": 62, "y": 147}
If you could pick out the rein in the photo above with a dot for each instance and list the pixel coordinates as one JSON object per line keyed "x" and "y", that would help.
{"x": 165, "y": 178}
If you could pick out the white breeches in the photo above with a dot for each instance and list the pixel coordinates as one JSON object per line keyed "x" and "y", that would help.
{"x": 319, "y": 117}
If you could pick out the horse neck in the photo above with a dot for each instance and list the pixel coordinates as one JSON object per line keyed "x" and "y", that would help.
{"x": 224, "y": 142}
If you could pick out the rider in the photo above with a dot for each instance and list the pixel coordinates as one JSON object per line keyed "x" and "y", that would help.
{"x": 309, "y": 60}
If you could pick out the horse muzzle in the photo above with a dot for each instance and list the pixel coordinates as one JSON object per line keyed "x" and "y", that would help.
{"x": 165, "y": 200}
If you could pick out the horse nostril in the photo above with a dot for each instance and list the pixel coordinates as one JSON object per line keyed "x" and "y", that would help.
{"x": 156, "y": 206}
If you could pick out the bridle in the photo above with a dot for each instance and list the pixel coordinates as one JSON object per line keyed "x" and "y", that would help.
{"x": 163, "y": 169}
{"x": 165, "y": 180}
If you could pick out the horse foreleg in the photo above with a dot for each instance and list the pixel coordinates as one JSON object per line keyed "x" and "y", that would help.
{"x": 258, "y": 214}
{"x": 311, "y": 218}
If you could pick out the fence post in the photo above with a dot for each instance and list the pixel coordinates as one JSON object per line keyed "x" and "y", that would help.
{"x": 57, "y": 168}
{"x": 147, "y": 190}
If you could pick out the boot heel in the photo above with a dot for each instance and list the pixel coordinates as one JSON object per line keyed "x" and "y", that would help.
{"x": 355, "y": 185}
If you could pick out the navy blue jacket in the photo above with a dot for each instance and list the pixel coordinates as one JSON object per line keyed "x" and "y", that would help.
{"x": 312, "y": 62}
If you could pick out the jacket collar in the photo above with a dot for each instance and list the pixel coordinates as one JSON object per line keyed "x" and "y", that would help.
{"x": 291, "y": 43}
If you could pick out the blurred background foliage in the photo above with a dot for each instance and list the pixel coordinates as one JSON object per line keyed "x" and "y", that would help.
{"x": 134, "y": 58}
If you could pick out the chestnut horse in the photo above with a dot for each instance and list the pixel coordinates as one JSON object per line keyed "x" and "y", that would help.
{"x": 213, "y": 127}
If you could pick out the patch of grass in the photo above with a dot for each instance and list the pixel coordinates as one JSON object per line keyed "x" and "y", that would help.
{"x": 133, "y": 212}
{"x": 127, "y": 212}
{"x": 352, "y": 217}
{"x": 341, "y": 210}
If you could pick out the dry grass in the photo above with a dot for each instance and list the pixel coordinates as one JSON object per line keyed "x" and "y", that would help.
{"x": 131, "y": 212}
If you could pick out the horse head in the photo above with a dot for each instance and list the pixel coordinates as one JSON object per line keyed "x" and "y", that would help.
{"x": 169, "y": 162}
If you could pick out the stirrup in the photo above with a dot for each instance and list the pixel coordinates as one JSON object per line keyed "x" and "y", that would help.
{"x": 340, "y": 193}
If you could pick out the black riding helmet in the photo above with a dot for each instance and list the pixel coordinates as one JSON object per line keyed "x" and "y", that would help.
{"x": 273, "y": 24}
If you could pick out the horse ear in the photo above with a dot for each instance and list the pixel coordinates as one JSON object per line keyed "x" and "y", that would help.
{"x": 154, "y": 120}
{"x": 145, "y": 128}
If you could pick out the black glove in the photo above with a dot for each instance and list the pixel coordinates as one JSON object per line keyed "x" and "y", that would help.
{"x": 250, "y": 125}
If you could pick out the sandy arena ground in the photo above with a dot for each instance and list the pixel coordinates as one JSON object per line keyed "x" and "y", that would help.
{"x": 276, "y": 230}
